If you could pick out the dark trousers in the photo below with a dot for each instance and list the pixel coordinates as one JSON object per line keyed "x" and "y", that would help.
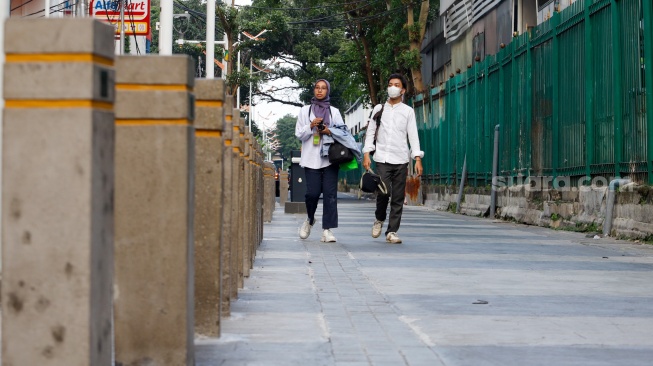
{"x": 394, "y": 176}
{"x": 323, "y": 181}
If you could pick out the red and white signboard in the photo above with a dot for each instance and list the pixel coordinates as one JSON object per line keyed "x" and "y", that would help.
{"x": 137, "y": 14}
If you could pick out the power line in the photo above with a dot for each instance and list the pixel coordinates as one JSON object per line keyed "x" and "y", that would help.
{"x": 314, "y": 20}
{"x": 194, "y": 13}
{"x": 21, "y": 5}
{"x": 312, "y": 8}
{"x": 133, "y": 27}
{"x": 355, "y": 20}
{"x": 64, "y": 8}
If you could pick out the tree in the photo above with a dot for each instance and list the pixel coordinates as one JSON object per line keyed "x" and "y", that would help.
{"x": 354, "y": 44}
{"x": 285, "y": 132}
{"x": 416, "y": 31}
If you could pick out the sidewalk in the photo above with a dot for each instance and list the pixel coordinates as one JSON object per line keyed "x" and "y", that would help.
{"x": 459, "y": 291}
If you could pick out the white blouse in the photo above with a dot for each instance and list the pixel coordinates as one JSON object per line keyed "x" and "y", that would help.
{"x": 311, "y": 153}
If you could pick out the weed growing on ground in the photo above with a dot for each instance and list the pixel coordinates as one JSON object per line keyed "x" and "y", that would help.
{"x": 580, "y": 227}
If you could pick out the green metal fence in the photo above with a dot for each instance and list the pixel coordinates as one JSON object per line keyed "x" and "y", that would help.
{"x": 569, "y": 97}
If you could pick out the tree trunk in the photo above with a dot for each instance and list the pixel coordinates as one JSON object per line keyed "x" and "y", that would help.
{"x": 416, "y": 42}
{"x": 360, "y": 39}
{"x": 368, "y": 70}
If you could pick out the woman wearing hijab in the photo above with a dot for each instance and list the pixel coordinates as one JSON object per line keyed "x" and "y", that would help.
{"x": 314, "y": 122}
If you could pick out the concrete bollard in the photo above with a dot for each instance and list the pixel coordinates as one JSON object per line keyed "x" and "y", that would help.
{"x": 240, "y": 194}
{"x": 252, "y": 200}
{"x": 154, "y": 210}
{"x": 253, "y": 232}
{"x": 235, "y": 206}
{"x": 57, "y": 194}
{"x": 268, "y": 204}
{"x": 209, "y": 124}
{"x": 227, "y": 209}
{"x": 283, "y": 188}
{"x": 261, "y": 185}
{"x": 247, "y": 218}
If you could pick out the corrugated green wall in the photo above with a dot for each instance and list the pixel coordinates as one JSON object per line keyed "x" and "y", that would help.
{"x": 569, "y": 97}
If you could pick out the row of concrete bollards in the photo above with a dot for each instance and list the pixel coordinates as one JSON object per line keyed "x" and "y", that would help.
{"x": 133, "y": 200}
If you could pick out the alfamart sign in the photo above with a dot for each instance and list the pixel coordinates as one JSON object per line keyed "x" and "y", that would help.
{"x": 137, "y": 15}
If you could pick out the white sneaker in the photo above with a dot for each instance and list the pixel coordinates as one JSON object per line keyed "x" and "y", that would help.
{"x": 305, "y": 230}
{"x": 376, "y": 228}
{"x": 392, "y": 238}
{"x": 327, "y": 236}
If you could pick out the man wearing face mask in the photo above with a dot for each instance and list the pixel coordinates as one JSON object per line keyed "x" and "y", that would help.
{"x": 389, "y": 146}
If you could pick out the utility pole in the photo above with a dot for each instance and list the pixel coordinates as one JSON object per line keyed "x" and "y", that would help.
{"x": 122, "y": 27}
{"x": 210, "y": 39}
{"x": 165, "y": 30}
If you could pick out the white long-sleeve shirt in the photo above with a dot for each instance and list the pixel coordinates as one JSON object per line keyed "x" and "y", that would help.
{"x": 311, "y": 154}
{"x": 398, "y": 129}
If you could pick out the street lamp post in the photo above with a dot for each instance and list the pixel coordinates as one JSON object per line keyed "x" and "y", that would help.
{"x": 254, "y": 38}
{"x": 267, "y": 139}
{"x": 250, "y": 94}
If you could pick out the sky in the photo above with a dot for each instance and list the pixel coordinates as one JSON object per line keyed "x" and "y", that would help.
{"x": 268, "y": 113}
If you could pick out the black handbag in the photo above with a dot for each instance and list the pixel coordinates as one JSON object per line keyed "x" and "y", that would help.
{"x": 339, "y": 153}
{"x": 371, "y": 183}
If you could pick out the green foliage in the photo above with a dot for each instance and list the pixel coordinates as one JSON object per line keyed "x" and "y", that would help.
{"x": 410, "y": 59}
{"x": 126, "y": 45}
{"x": 413, "y": 32}
{"x": 311, "y": 39}
{"x": 285, "y": 131}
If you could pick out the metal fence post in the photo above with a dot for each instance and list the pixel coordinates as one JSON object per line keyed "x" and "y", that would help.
{"x": 555, "y": 128}
{"x": 462, "y": 185}
{"x": 529, "y": 105}
{"x": 495, "y": 169}
{"x": 589, "y": 92}
{"x": 648, "y": 66}
{"x": 618, "y": 88}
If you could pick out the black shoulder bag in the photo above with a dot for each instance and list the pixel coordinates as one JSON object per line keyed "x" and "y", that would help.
{"x": 338, "y": 153}
{"x": 377, "y": 119}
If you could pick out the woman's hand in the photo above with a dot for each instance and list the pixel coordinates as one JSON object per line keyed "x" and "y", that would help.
{"x": 315, "y": 122}
{"x": 325, "y": 131}
{"x": 367, "y": 162}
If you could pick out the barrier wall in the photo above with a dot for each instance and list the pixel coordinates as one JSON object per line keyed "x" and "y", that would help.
{"x": 57, "y": 192}
{"x": 153, "y": 309}
{"x": 209, "y": 124}
{"x": 131, "y": 211}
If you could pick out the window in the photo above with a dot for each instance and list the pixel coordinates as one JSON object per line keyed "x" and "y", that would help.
{"x": 542, "y": 3}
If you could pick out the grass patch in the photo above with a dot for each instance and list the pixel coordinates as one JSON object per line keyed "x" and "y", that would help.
{"x": 580, "y": 227}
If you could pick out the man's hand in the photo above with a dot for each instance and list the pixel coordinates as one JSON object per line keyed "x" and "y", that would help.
{"x": 418, "y": 167}
{"x": 367, "y": 162}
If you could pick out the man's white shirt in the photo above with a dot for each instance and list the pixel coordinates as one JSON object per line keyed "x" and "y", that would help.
{"x": 398, "y": 129}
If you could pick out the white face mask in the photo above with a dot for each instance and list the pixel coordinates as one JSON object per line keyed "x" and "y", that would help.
{"x": 394, "y": 91}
